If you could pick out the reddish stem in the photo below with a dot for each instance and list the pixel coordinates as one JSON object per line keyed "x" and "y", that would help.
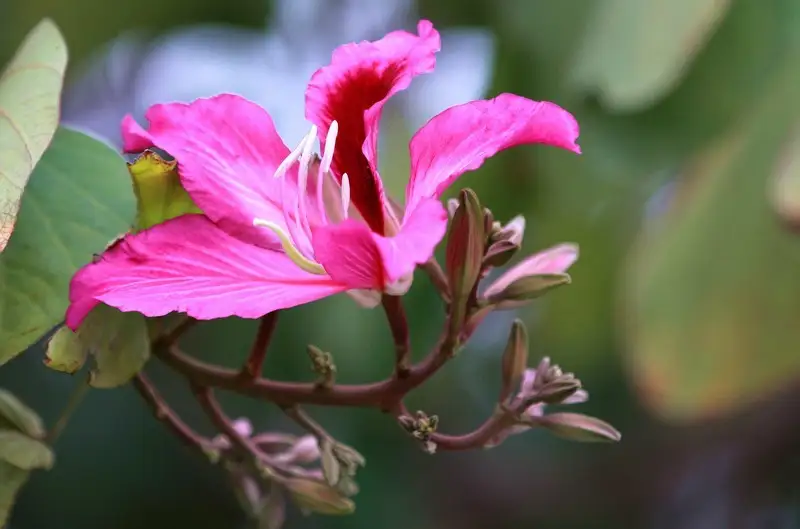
{"x": 258, "y": 353}
{"x": 398, "y": 323}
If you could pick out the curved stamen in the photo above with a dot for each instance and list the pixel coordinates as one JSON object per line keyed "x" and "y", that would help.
{"x": 291, "y": 250}
{"x": 302, "y": 182}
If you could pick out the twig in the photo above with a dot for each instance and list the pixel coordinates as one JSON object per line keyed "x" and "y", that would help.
{"x": 165, "y": 413}
{"x": 398, "y": 323}
{"x": 299, "y": 416}
{"x": 258, "y": 353}
{"x": 74, "y": 400}
{"x": 438, "y": 278}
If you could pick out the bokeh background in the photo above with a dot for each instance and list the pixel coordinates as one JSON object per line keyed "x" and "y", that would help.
{"x": 682, "y": 319}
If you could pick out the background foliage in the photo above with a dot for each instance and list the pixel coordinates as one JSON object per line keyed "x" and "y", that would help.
{"x": 680, "y": 320}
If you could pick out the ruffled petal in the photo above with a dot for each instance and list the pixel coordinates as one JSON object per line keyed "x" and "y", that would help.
{"x": 352, "y": 90}
{"x": 227, "y": 150}
{"x": 462, "y": 137}
{"x": 189, "y": 265}
{"x": 352, "y": 253}
{"x": 555, "y": 260}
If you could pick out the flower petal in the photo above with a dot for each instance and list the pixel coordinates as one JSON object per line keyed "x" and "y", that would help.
{"x": 352, "y": 253}
{"x": 462, "y": 137}
{"x": 227, "y": 150}
{"x": 555, "y": 260}
{"x": 189, "y": 265}
{"x": 352, "y": 90}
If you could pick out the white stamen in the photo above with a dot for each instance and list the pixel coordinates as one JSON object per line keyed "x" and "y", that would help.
{"x": 345, "y": 195}
{"x": 330, "y": 144}
{"x": 291, "y": 250}
{"x": 302, "y": 181}
{"x": 295, "y": 155}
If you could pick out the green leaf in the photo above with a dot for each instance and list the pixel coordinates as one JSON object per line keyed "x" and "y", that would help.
{"x": 713, "y": 292}
{"x": 77, "y": 200}
{"x": 23, "y": 452}
{"x": 11, "y": 480}
{"x": 119, "y": 342}
{"x": 636, "y": 51}
{"x": 30, "y": 100}
{"x": 65, "y": 353}
{"x": 14, "y": 413}
{"x": 785, "y": 184}
{"x": 158, "y": 189}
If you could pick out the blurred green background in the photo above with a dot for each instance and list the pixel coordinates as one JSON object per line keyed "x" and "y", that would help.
{"x": 682, "y": 319}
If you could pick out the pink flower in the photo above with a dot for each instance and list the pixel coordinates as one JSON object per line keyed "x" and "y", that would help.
{"x": 323, "y": 226}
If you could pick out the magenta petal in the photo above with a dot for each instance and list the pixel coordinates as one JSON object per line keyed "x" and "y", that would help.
{"x": 227, "y": 150}
{"x": 352, "y": 90}
{"x": 462, "y": 137}
{"x": 190, "y": 265}
{"x": 422, "y": 230}
{"x": 134, "y": 137}
{"x": 555, "y": 260}
{"x": 349, "y": 253}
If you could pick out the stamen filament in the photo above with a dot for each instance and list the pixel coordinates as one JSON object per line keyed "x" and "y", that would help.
{"x": 291, "y": 250}
{"x": 345, "y": 195}
{"x": 330, "y": 145}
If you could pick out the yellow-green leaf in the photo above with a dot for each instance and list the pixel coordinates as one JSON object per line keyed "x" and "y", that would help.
{"x": 11, "y": 480}
{"x": 712, "y": 296}
{"x": 158, "y": 189}
{"x": 78, "y": 198}
{"x": 30, "y": 99}
{"x": 636, "y": 51}
{"x": 24, "y": 452}
{"x": 65, "y": 352}
{"x": 16, "y": 414}
{"x": 785, "y": 184}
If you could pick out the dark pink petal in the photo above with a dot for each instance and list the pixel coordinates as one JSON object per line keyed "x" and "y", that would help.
{"x": 353, "y": 254}
{"x": 227, "y": 150}
{"x": 190, "y": 265}
{"x": 462, "y": 137}
{"x": 352, "y": 90}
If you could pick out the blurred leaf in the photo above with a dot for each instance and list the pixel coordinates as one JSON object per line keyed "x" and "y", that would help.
{"x": 11, "y": 480}
{"x": 30, "y": 98}
{"x": 712, "y": 295}
{"x": 65, "y": 353}
{"x": 78, "y": 199}
{"x": 158, "y": 190}
{"x": 577, "y": 427}
{"x": 14, "y": 413}
{"x": 23, "y": 452}
{"x": 636, "y": 51}
{"x": 119, "y": 341}
{"x": 785, "y": 184}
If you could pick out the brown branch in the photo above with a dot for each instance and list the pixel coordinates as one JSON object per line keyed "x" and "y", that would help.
{"x": 258, "y": 353}
{"x": 163, "y": 412}
{"x": 398, "y": 323}
{"x": 438, "y": 278}
{"x": 305, "y": 421}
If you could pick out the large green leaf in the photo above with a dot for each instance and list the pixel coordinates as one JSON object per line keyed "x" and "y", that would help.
{"x": 78, "y": 199}
{"x": 119, "y": 341}
{"x": 635, "y": 51}
{"x": 30, "y": 100}
{"x": 712, "y": 295}
{"x": 11, "y": 480}
{"x": 15, "y": 414}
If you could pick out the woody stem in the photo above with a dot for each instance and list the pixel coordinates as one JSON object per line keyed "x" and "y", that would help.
{"x": 258, "y": 353}
{"x": 398, "y": 323}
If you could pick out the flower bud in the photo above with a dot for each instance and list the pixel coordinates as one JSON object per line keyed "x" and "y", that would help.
{"x": 526, "y": 289}
{"x": 577, "y": 427}
{"x": 318, "y": 497}
{"x": 464, "y": 254}
{"x": 331, "y": 469}
{"x": 322, "y": 364}
{"x": 304, "y": 450}
{"x": 512, "y": 232}
{"x": 515, "y": 359}
{"x": 532, "y": 277}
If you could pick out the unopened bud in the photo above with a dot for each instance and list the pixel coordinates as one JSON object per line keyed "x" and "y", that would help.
{"x": 515, "y": 359}
{"x": 331, "y": 469}
{"x": 499, "y": 253}
{"x": 577, "y": 427}
{"x": 319, "y": 497}
{"x": 349, "y": 456}
{"x": 305, "y": 450}
{"x": 558, "y": 391}
{"x": 489, "y": 224}
{"x": 322, "y": 364}
{"x": 464, "y": 254}
{"x": 512, "y": 232}
{"x": 527, "y": 288}
{"x": 421, "y": 427}
{"x": 452, "y": 206}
